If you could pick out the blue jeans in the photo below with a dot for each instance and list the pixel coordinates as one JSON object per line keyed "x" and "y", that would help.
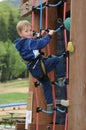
{"x": 52, "y": 63}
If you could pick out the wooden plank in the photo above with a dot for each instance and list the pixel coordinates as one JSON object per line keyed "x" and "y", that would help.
{"x": 29, "y": 109}
{"x": 45, "y": 127}
{"x": 77, "y": 89}
{"x": 20, "y": 126}
{"x": 30, "y": 101}
{"x": 26, "y": 8}
{"x": 68, "y": 5}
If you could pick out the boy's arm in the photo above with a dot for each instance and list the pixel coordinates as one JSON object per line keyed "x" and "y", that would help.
{"x": 40, "y": 43}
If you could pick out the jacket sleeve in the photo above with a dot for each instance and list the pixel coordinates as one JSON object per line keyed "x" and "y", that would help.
{"x": 36, "y": 44}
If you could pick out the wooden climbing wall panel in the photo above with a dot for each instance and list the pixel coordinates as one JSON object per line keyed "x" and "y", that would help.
{"x": 25, "y": 10}
{"x": 77, "y": 90}
{"x": 46, "y": 127}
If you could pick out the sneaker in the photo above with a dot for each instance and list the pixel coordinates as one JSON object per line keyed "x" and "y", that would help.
{"x": 63, "y": 102}
{"x": 66, "y": 53}
{"x": 61, "y": 81}
{"x": 50, "y": 107}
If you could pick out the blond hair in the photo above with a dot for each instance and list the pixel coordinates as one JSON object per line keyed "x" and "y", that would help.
{"x": 22, "y": 24}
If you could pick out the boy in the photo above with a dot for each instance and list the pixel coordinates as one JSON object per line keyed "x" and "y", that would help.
{"x": 29, "y": 48}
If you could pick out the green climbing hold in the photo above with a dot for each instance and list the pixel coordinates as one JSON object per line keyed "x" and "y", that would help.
{"x": 67, "y": 23}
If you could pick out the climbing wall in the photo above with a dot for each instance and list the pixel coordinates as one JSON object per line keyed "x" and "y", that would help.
{"x": 44, "y": 119}
{"x": 77, "y": 91}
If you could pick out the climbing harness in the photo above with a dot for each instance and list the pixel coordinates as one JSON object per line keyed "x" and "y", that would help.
{"x": 32, "y": 62}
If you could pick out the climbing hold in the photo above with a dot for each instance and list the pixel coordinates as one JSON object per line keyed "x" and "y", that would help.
{"x": 70, "y": 47}
{"x": 67, "y": 23}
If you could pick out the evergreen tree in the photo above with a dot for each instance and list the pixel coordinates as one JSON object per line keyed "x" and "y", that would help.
{"x": 12, "y": 34}
{"x": 11, "y": 64}
{"x": 3, "y": 30}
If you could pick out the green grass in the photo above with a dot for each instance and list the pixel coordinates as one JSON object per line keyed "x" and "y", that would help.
{"x": 15, "y": 83}
{"x": 13, "y": 98}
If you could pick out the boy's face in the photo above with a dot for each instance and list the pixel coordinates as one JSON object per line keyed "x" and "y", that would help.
{"x": 26, "y": 32}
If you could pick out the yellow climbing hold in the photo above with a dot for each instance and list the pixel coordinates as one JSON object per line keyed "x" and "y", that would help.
{"x": 70, "y": 47}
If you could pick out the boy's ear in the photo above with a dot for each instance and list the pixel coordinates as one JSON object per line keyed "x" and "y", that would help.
{"x": 20, "y": 34}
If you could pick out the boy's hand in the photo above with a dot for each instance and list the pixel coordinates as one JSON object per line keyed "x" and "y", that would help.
{"x": 51, "y": 32}
{"x": 43, "y": 32}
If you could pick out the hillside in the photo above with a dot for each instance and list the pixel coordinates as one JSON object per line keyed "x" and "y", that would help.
{"x": 15, "y": 3}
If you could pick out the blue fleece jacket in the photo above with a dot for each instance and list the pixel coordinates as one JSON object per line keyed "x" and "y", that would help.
{"x": 29, "y": 47}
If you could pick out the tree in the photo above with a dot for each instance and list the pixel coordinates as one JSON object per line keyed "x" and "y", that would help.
{"x": 3, "y": 53}
{"x": 11, "y": 64}
{"x": 3, "y": 30}
{"x": 12, "y": 34}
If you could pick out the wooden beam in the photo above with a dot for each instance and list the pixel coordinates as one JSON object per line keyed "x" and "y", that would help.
{"x": 45, "y": 127}
{"x": 26, "y": 7}
{"x": 24, "y": 10}
{"x": 20, "y": 126}
{"x": 77, "y": 89}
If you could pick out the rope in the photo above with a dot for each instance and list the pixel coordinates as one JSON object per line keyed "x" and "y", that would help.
{"x": 47, "y": 30}
{"x": 49, "y": 5}
{"x": 38, "y": 8}
{"x": 37, "y": 105}
{"x": 47, "y": 112}
{"x": 55, "y": 5}
{"x": 62, "y": 111}
{"x": 51, "y": 112}
{"x": 40, "y": 15}
{"x": 33, "y": 15}
{"x": 58, "y": 29}
{"x": 51, "y": 74}
{"x": 67, "y": 60}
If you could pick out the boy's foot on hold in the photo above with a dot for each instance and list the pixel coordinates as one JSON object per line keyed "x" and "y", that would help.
{"x": 66, "y": 53}
{"x": 63, "y": 102}
{"x": 61, "y": 81}
{"x": 50, "y": 107}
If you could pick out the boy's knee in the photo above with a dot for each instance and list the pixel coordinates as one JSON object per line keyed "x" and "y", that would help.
{"x": 44, "y": 78}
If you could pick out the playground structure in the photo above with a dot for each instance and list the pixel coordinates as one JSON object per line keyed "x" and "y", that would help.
{"x": 76, "y": 118}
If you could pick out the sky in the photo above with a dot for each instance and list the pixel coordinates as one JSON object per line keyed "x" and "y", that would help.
{"x": 1, "y": 0}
